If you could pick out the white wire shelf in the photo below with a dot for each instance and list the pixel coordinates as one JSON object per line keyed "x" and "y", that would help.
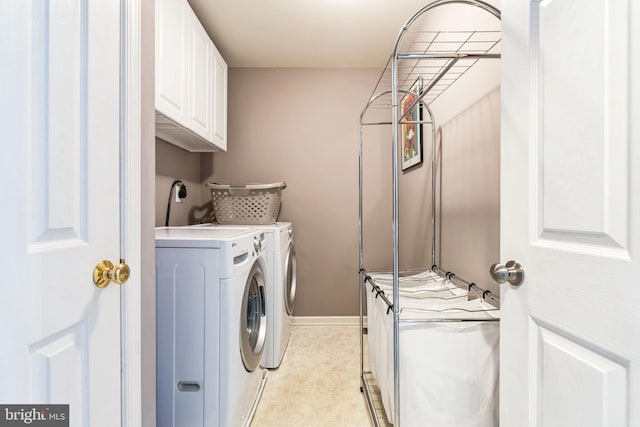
{"x": 440, "y": 58}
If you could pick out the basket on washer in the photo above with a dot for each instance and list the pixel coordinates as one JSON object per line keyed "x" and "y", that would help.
{"x": 246, "y": 204}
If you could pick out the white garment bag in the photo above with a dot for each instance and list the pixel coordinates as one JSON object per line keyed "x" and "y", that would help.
{"x": 448, "y": 370}
{"x": 449, "y": 374}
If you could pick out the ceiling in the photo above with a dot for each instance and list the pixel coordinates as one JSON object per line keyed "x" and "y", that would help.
{"x": 305, "y": 33}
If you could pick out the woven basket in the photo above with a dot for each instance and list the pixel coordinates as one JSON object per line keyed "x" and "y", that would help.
{"x": 251, "y": 204}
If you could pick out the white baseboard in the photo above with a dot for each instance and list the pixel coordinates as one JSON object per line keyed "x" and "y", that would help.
{"x": 326, "y": 320}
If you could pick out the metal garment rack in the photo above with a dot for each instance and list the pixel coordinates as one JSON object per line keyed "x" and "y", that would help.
{"x": 440, "y": 58}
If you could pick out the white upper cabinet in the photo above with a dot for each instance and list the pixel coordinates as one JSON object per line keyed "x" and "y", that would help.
{"x": 191, "y": 81}
{"x": 200, "y": 108}
{"x": 219, "y": 130}
{"x": 171, "y": 59}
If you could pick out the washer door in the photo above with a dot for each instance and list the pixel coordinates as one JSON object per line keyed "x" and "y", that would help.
{"x": 290, "y": 279}
{"x": 253, "y": 320}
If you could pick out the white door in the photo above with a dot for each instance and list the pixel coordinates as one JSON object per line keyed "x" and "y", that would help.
{"x": 570, "y": 197}
{"x": 59, "y": 126}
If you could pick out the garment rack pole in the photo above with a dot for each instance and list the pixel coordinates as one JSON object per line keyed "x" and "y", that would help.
{"x": 434, "y": 164}
{"x": 396, "y": 248}
{"x": 450, "y": 276}
{"x": 455, "y": 56}
{"x": 421, "y": 122}
{"x": 470, "y": 285}
{"x": 363, "y": 386}
{"x": 396, "y": 117}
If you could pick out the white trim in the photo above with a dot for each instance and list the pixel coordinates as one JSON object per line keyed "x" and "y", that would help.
{"x": 130, "y": 213}
{"x": 325, "y": 320}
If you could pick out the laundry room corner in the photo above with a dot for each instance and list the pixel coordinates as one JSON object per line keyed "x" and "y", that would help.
{"x": 175, "y": 164}
{"x": 297, "y": 125}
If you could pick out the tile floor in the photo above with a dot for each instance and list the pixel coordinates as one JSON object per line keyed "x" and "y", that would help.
{"x": 318, "y": 382}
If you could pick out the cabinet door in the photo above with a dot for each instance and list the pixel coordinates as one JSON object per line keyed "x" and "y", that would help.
{"x": 171, "y": 59}
{"x": 200, "y": 111}
{"x": 219, "y": 135}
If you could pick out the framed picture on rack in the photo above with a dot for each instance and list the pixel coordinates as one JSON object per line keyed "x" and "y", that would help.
{"x": 410, "y": 128}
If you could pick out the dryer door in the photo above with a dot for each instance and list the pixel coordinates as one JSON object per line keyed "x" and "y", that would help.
{"x": 253, "y": 320}
{"x": 290, "y": 279}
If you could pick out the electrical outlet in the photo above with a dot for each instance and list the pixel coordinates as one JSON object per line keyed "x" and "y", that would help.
{"x": 180, "y": 191}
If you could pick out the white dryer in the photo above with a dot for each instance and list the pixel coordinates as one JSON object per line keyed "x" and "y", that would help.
{"x": 281, "y": 285}
{"x": 282, "y": 299}
{"x": 211, "y": 325}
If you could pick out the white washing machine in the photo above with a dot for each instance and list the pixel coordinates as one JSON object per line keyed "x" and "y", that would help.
{"x": 281, "y": 285}
{"x": 211, "y": 325}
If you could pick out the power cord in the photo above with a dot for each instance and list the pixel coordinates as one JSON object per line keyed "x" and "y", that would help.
{"x": 182, "y": 193}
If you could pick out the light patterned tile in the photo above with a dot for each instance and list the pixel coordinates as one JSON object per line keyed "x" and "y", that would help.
{"x": 326, "y": 360}
{"x": 344, "y": 348}
{"x": 270, "y": 412}
{"x": 327, "y": 396}
{"x": 348, "y": 355}
{"x": 261, "y": 423}
{"x": 306, "y": 423}
{"x": 300, "y": 413}
{"x": 302, "y": 396}
{"x": 352, "y": 347}
{"x": 328, "y": 414}
{"x": 350, "y": 379}
{"x": 318, "y": 382}
{"x": 287, "y": 359}
{"x": 352, "y": 398}
{"x": 301, "y": 338}
{"x": 280, "y": 378}
{"x": 347, "y": 335}
{"x": 304, "y": 378}
{"x": 347, "y": 365}
{"x": 274, "y": 393}
{"x": 350, "y": 395}
{"x": 304, "y": 349}
{"x": 328, "y": 378}
{"x": 302, "y": 331}
{"x": 326, "y": 348}
{"x": 355, "y": 413}
{"x": 304, "y": 362}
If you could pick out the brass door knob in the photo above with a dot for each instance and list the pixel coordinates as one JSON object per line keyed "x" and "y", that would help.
{"x": 105, "y": 273}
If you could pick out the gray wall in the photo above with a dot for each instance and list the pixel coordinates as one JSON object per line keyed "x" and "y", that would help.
{"x": 301, "y": 126}
{"x": 469, "y": 192}
{"x": 173, "y": 163}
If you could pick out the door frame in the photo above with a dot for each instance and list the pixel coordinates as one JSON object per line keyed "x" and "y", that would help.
{"x": 130, "y": 211}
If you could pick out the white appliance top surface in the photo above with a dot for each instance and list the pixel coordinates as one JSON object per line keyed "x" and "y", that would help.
{"x": 223, "y": 227}
{"x": 198, "y": 236}
{"x": 274, "y": 226}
